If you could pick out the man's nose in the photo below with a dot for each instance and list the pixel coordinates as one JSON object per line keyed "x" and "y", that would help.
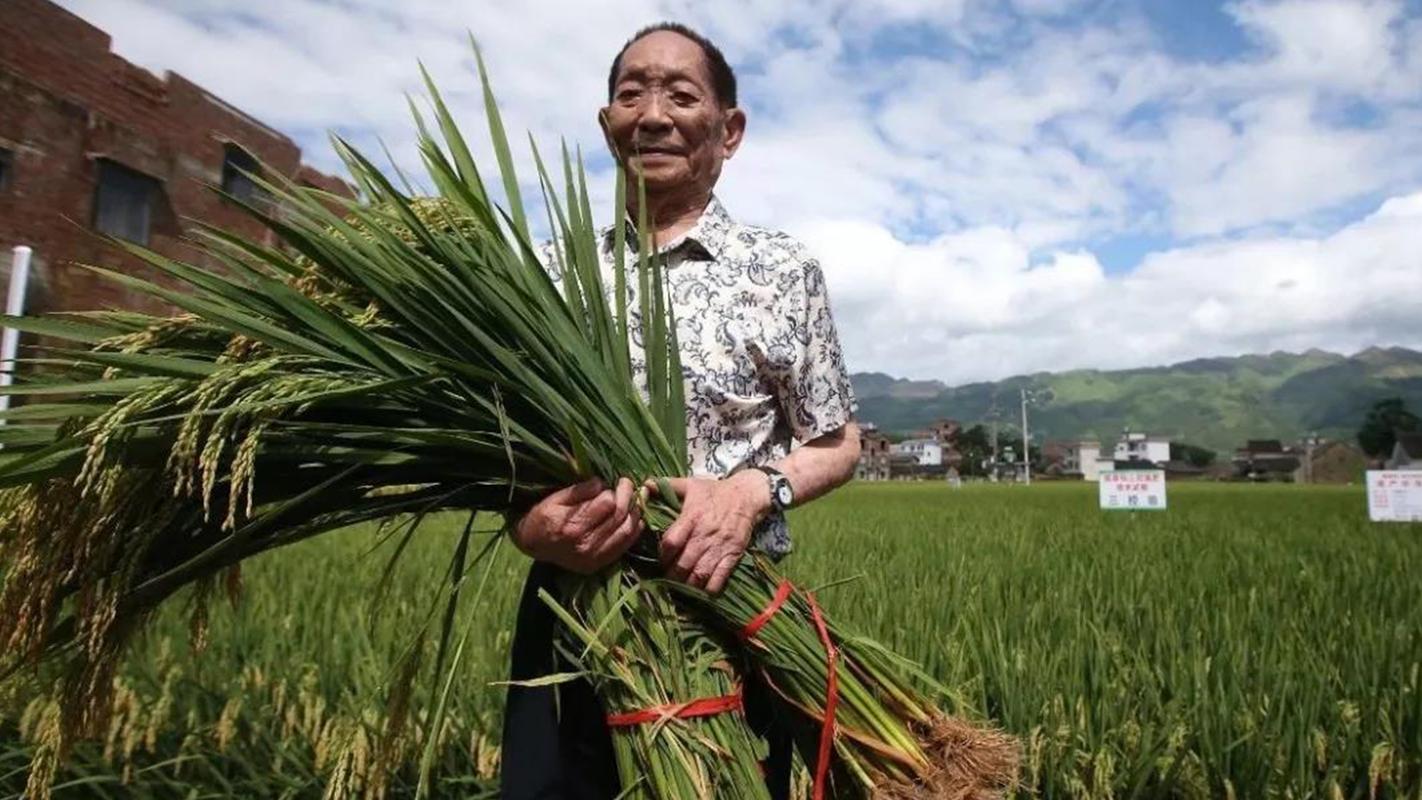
{"x": 654, "y": 115}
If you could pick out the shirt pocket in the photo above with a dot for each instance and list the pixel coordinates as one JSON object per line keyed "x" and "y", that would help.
{"x": 731, "y": 428}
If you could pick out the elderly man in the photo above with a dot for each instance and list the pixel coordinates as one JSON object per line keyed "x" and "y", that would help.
{"x": 763, "y": 373}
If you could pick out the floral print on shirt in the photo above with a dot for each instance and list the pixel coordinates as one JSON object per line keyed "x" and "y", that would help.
{"x": 760, "y": 355}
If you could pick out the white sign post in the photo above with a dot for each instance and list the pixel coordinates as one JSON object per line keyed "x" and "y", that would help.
{"x": 1132, "y": 490}
{"x": 14, "y": 306}
{"x": 1395, "y": 495}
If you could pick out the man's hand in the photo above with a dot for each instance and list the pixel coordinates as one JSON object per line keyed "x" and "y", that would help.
{"x": 582, "y": 528}
{"x": 714, "y": 528}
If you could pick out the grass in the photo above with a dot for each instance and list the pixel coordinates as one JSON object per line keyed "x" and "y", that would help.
{"x": 1250, "y": 642}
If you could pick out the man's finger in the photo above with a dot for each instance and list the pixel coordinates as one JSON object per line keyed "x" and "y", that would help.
{"x": 578, "y": 493}
{"x": 722, "y": 573}
{"x": 691, "y": 557}
{"x": 612, "y": 548}
{"x": 674, "y": 539}
{"x": 591, "y": 514}
{"x": 623, "y": 494}
{"x": 621, "y": 506}
{"x": 678, "y": 486}
{"x": 604, "y": 528}
{"x": 705, "y": 567}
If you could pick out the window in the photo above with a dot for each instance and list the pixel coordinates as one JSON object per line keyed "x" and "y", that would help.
{"x": 124, "y": 202}
{"x": 238, "y": 167}
{"x": 7, "y": 166}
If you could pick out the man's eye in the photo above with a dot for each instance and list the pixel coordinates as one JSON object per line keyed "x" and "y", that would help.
{"x": 684, "y": 99}
{"x": 628, "y": 95}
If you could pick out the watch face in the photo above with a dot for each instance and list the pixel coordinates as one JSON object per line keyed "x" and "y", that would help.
{"x": 784, "y": 495}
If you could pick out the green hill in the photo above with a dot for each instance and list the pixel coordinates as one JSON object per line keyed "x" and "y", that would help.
{"x": 1214, "y": 402}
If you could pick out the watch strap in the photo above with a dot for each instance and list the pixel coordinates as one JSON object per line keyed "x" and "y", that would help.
{"x": 776, "y": 478}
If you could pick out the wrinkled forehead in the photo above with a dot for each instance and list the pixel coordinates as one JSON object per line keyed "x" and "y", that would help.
{"x": 664, "y": 56}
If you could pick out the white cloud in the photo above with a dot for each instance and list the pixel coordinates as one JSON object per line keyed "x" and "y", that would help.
{"x": 954, "y": 180}
{"x": 973, "y": 305}
{"x": 1340, "y": 43}
{"x": 1265, "y": 161}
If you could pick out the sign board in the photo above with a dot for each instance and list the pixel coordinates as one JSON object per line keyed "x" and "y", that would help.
{"x": 1133, "y": 490}
{"x": 1395, "y": 495}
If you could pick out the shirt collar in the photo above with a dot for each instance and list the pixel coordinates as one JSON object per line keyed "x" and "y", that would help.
{"x": 707, "y": 237}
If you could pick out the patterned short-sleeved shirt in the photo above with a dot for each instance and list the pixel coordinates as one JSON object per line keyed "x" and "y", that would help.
{"x": 759, "y": 351}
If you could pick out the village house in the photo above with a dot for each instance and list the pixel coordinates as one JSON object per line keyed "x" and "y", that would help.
{"x": 1136, "y": 447}
{"x": 1332, "y": 462}
{"x": 91, "y": 144}
{"x": 874, "y": 452}
{"x": 1266, "y": 460}
{"x": 1074, "y": 459}
{"x": 906, "y": 467}
{"x": 925, "y": 452}
{"x": 1135, "y": 450}
{"x": 1179, "y": 469}
{"x": 945, "y": 432}
{"x": 930, "y": 453}
{"x": 919, "y": 459}
{"x": 1407, "y": 452}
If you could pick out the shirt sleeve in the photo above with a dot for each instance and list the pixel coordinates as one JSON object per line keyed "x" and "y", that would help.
{"x": 815, "y": 390}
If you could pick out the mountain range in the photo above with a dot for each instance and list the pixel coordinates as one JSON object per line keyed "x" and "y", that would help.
{"x": 1217, "y": 403}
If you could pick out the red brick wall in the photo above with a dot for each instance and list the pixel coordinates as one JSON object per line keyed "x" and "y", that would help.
{"x": 65, "y": 101}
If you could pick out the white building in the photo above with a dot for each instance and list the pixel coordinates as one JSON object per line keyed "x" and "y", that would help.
{"x": 1140, "y": 447}
{"x": 1082, "y": 457}
{"x": 926, "y": 452}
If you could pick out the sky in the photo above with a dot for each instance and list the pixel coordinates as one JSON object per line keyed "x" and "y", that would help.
{"x": 992, "y": 187}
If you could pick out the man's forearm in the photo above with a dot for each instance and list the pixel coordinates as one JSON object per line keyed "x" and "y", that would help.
{"x": 813, "y": 469}
{"x": 822, "y": 464}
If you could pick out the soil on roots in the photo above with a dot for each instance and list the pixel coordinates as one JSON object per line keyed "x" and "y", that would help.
{"x": 969, "y": 763}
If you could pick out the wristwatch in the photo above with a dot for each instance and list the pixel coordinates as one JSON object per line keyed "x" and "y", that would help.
{"x": 782, "y": 494}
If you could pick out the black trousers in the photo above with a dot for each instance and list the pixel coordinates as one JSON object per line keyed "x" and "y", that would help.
{"x": 556, "y": 744}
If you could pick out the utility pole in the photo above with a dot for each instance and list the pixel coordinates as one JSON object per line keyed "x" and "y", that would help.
{"x": 1309, "y": 444}
{"x": 1026, "y": 442}
{"x": 992, "y": 416}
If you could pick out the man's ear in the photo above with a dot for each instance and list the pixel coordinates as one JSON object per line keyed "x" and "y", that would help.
{"x": 735, "y": 127}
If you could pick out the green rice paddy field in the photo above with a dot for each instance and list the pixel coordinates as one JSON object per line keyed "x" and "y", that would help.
{"x": 1250, "y": 642}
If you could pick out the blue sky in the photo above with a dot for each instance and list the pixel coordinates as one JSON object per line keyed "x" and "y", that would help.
{"x": 993, "y": 186}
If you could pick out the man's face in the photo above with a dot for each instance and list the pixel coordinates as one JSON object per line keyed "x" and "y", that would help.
{"x": 665, "y": 119}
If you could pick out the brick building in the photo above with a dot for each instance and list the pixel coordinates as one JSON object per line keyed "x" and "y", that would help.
{"x": 90, "y": 142}
{"x": 874, "y": 454}
{"x": 931, "y": 453}
{"x": 1266, "y": 460}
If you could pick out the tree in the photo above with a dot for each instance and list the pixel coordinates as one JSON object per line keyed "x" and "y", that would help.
{"x": 1194, "y": 455}
{"x": 1014, "y": 441}
{"x": 976, "y": 446}
{"x": 1384, "y": 421}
